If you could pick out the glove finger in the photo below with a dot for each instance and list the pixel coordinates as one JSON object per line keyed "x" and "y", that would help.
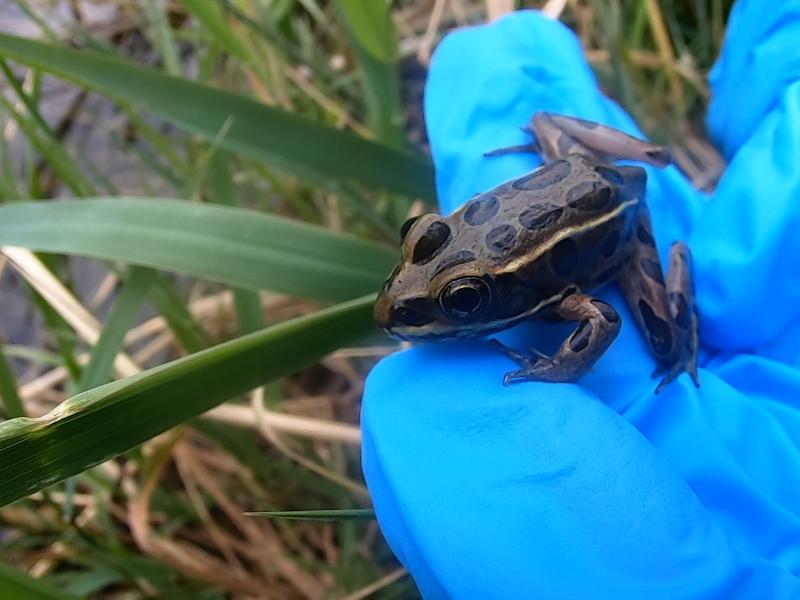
{"x": 746, "y": 247}
{"x": 487, "y": 82}
{"x": 758, "y": 61}
{"x": 534, "y": 490}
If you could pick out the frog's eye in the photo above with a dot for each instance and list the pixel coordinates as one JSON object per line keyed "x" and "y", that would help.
{"x": 406, "y": 227}
{"x": 465, "y": 298}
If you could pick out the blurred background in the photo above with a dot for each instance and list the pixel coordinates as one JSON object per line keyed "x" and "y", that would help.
{"x": 292, "y": 133}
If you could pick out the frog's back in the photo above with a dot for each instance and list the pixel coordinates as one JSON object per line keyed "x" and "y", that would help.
{"x": 564, "y": 224}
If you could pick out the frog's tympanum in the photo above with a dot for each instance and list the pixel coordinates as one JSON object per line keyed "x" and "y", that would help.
{"x": 534, "y": 247}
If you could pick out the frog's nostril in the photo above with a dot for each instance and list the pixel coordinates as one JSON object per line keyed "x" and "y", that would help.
{"x": 411, "y": 313}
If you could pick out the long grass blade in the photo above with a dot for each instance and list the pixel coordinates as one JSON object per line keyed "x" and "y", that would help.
{"x": 120, "y": 320}
{"x": 230, "y": 245}
{"x": 17, "y": 584}
{"x": 263, "y": 133}
{"x": 10, "y": 402}
{"x": 105, "y": 421}
{"x": 348, "y": 514}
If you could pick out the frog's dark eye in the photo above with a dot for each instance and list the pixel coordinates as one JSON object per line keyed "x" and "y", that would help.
{"x": 406, "y": 227}
{"x": 465, "y": 298}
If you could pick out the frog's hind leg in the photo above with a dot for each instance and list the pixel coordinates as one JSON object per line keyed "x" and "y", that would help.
{"x": 557, "y": 136}
{"x": 665, "y": 312}
{"x": 599, "y": 326}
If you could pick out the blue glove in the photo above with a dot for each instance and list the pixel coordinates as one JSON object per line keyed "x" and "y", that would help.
{"x": 601, "y": 489}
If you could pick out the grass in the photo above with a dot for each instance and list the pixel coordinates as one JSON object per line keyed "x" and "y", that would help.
{"x": 237, "y": 360}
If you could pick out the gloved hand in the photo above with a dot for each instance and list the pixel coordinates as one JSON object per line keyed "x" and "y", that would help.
{"x": 601, "y": 489}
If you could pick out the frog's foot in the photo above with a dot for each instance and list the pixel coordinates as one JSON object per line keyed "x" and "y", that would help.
{"x": 598, "y": 327}
{"x": 682, "y": 308}
{"x": 537, "y": 369}
{"x": 689, "y": 366}
{"x": 532, "y": 146}
{"x": 522, "y": 360}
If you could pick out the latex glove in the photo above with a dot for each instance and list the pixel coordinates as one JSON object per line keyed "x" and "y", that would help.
{"x": 601, "y": 489}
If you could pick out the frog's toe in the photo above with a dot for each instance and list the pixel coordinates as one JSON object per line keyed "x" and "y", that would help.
{"x": 689, "y": 367}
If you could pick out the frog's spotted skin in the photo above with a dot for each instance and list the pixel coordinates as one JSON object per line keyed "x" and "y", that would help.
{"x": 532, "y": 246}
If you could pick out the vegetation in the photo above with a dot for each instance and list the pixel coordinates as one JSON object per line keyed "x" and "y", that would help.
{"x": 188, "y": 328}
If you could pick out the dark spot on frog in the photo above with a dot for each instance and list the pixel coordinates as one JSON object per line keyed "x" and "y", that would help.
{"x": 564, "y": 257}
{"x": 606, "y": 275}
{"x": 431, "y": 242}
{"x": 644, "y": 236}
{"x": 501, "y": 239}
{"x": 580, "y": 339}
{"x": 406, "y": 227}
{"x": 652, "y": 269}
{"x": 513, "y": 295}
{"x": 540, "y": 216}
{"x": 589, "y": 196}
{"x": 660, "y": 335}
{"x": 611, "y": 243}
{"x": 609, "y": 174}
{"x": 680, "y": 308}
{"x": 481, "y": 210}
{"x": 413, "y": 312}
{"x": 545, "y": 177}
{"x": 609, "y": 314}
{"x": 448, "y": 262}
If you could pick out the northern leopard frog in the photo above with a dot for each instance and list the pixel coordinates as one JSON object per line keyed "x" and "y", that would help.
{"x": 534, "y": 246}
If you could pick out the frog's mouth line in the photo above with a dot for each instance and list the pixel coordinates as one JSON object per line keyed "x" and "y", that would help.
{"x": 428, "y": 333}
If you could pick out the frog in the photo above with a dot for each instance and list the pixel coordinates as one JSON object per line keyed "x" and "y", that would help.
{"x": 538, "y": 247}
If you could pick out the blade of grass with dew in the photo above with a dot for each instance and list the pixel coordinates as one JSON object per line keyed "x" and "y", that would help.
{"x": 230, "y": 245}
{"x": 348, "y": 514}
{"x": 260, "y": 132}
{"x": 17, "y": 584}
{"x": 119, "y": 321}
{"x": 106, "y": 421}
{"x": 9, "y": 397}
{"x": 372, "y": 34}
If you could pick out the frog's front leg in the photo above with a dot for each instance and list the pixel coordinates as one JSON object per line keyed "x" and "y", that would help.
{"x": 599, "y": 326}
{"x": 665, "y": 312}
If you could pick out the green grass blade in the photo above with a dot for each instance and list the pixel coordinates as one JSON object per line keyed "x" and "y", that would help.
{"x": 266, "y": 134}
{"x": 162, "y": 35}
{"x": 222, "y": 189}
{"x": 371, "y": 30}
{"x": 211, "y": 16}
{"x": 15, "y": 584}
{"x": 182, "y": 323}
{"x": 120, "y": 320}
{"x": 349, "y": 514}
{"x": 370, "y": 23}
{"x": 100, "y": 423}
{"x": 9, "y": 398}
{"x": 231, "y": 245}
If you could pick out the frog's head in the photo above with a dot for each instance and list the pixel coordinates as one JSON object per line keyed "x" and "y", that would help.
{"x": 435, "y": 292}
